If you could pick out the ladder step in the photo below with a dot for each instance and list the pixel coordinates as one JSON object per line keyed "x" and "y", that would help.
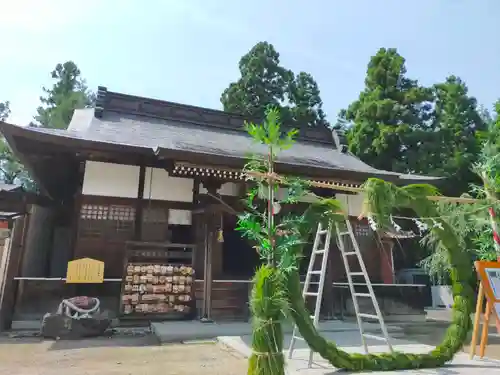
{"x": 356, "y": 273}
{"x": 313, "y": 294}
{"x": 344, "y": 233}
{"x": 380, "y": 338}
{"x": 350, "y": 253}
{"x": 368, "y": 316}
{"x": 315, "y": 272}
{"x": 298, "y": 338}
{"x": 367, "y": 295}
{"x": 323, "y": 231}
{"x": 320, "y": 251}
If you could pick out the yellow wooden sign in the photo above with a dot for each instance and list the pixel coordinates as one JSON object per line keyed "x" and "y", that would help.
{"x": 85, "y": 271}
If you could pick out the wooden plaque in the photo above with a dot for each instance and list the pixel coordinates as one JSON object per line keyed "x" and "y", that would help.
{"x": 85, "y": 271}
{"x": 489, "y": 275}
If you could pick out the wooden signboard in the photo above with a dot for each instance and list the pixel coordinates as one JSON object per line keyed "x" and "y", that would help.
{"x": 489, "y": 287}
{"x": 85, "y": 271}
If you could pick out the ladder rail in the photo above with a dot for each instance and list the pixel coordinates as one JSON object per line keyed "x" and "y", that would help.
{"x": 322, "y": 276}
{"x": 369, "y": 285}
{"x": 307, "y": 284}
{"x": 340, "y": 244}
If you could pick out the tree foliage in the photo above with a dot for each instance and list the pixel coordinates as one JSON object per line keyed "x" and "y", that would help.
{"x": 265, "y": 83}
{"x": 68, "y": 93}
{"x": 11, "y": 170}
{"x": 385, "y": 123}
{"x": 277, "y": 292}
{"x": 398, "y": 125}
{"x": 4, "y": 110}
{"x": 457, "y": 128}
{"x": 471, "y": 222}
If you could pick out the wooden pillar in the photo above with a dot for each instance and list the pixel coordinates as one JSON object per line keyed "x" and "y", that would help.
{"x": 214, "y": 224}
{"x": 139, "y": 207}
{"x": 12, "y": 257}
{"x": 209, "y": 240}
{"x": 387, "y": 261}
{"x": 207, "y": 272}
{"x": 217, "y": 247}
{"x": 328, "y": 292}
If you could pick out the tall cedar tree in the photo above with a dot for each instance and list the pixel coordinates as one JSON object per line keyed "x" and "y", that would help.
{"x": 67, "y": 94}
{"x": 457, "y": 129}
{"x": 381, "y": 124}
{"x": 264, "y": 83}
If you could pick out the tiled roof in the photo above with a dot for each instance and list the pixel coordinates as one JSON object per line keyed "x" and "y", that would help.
{"x": 152, "y": 133}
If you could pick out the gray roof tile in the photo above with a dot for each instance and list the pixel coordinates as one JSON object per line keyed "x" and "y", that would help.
{"x": 154, "y": 133}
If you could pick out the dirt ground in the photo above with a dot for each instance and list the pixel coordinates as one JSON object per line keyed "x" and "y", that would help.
{"x": 116, "y": 356}
{"x": 123, "y": 355}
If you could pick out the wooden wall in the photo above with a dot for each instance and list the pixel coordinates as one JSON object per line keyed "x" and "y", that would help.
{"x": 105, "y": 224}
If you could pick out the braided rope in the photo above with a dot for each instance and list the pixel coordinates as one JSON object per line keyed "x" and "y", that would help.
{"x": 68, "y": 308}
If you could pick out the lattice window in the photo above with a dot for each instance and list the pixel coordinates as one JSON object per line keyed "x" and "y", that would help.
{"x": 112, "y": 212}
{"x": 94, "y": 212}
{"x": 109, "y": 222}
{"x": 121, "y": 213}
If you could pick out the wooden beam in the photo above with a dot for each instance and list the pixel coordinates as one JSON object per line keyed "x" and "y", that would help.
{"x": 279, "y": 179}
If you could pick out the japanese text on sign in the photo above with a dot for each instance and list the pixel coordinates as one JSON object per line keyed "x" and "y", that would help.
{"x": 85, "y": 271}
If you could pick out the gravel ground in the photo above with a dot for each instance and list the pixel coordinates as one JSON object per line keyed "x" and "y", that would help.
{"x": 116, "y": 356}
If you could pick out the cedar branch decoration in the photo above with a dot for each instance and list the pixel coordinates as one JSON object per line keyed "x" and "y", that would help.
{"x": 280, "y": 240}
{"x": 381, "y": 198}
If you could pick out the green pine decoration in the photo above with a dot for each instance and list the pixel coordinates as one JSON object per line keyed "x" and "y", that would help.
{"x": 279, "y": 240}
{"x": 267, "y": 304}
{"x": 381, "y": 198}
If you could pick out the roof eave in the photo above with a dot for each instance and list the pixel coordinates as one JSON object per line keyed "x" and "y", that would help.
{"x": 286, "y": 168}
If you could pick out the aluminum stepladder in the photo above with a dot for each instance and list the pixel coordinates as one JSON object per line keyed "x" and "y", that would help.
{"x": 322, "y": 238}
{"x": 321, "y": 231}
{"x": 366, "y": 283}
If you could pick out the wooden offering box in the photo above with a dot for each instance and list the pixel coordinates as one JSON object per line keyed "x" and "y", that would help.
{"x": 158, "y": 281}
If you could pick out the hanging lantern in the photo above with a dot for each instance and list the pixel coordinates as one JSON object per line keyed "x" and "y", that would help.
{"x": 220, "y": 231}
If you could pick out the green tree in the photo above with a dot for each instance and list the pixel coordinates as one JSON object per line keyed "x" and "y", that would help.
{"x": 383, "y": 123}
{"x": 306, "y": 104}
{"x": 265, "y": 83}
{"x": 68, "y": 93}
{"x": 457, "y": 134}
{"x": 4, "y": 110}
{"x": 11, "y": 170}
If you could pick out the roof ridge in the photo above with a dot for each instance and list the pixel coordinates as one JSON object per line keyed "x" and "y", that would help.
{"x": 150, "y": 107}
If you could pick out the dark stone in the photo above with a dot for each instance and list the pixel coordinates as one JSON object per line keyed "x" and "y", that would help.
{"x": 62, "y": 327}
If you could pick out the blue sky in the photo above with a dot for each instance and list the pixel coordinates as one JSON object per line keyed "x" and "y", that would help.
{"x": 187, "y": 51}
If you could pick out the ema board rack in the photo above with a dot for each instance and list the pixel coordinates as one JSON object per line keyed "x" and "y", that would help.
{"x": 158, "y": 281}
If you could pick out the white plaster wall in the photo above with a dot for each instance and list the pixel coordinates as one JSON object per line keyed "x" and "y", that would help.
{"x": 352, "y": 203}
{"x": 167, "y": 188}
{"x": 179, "y": 217}
{"x": 227, "y": 189}
{"x": 112, "y": 180}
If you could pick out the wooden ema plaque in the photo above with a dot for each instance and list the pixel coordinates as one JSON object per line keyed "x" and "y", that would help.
{"x": 85, "y": 271}
{"x": 489, "y": 287}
